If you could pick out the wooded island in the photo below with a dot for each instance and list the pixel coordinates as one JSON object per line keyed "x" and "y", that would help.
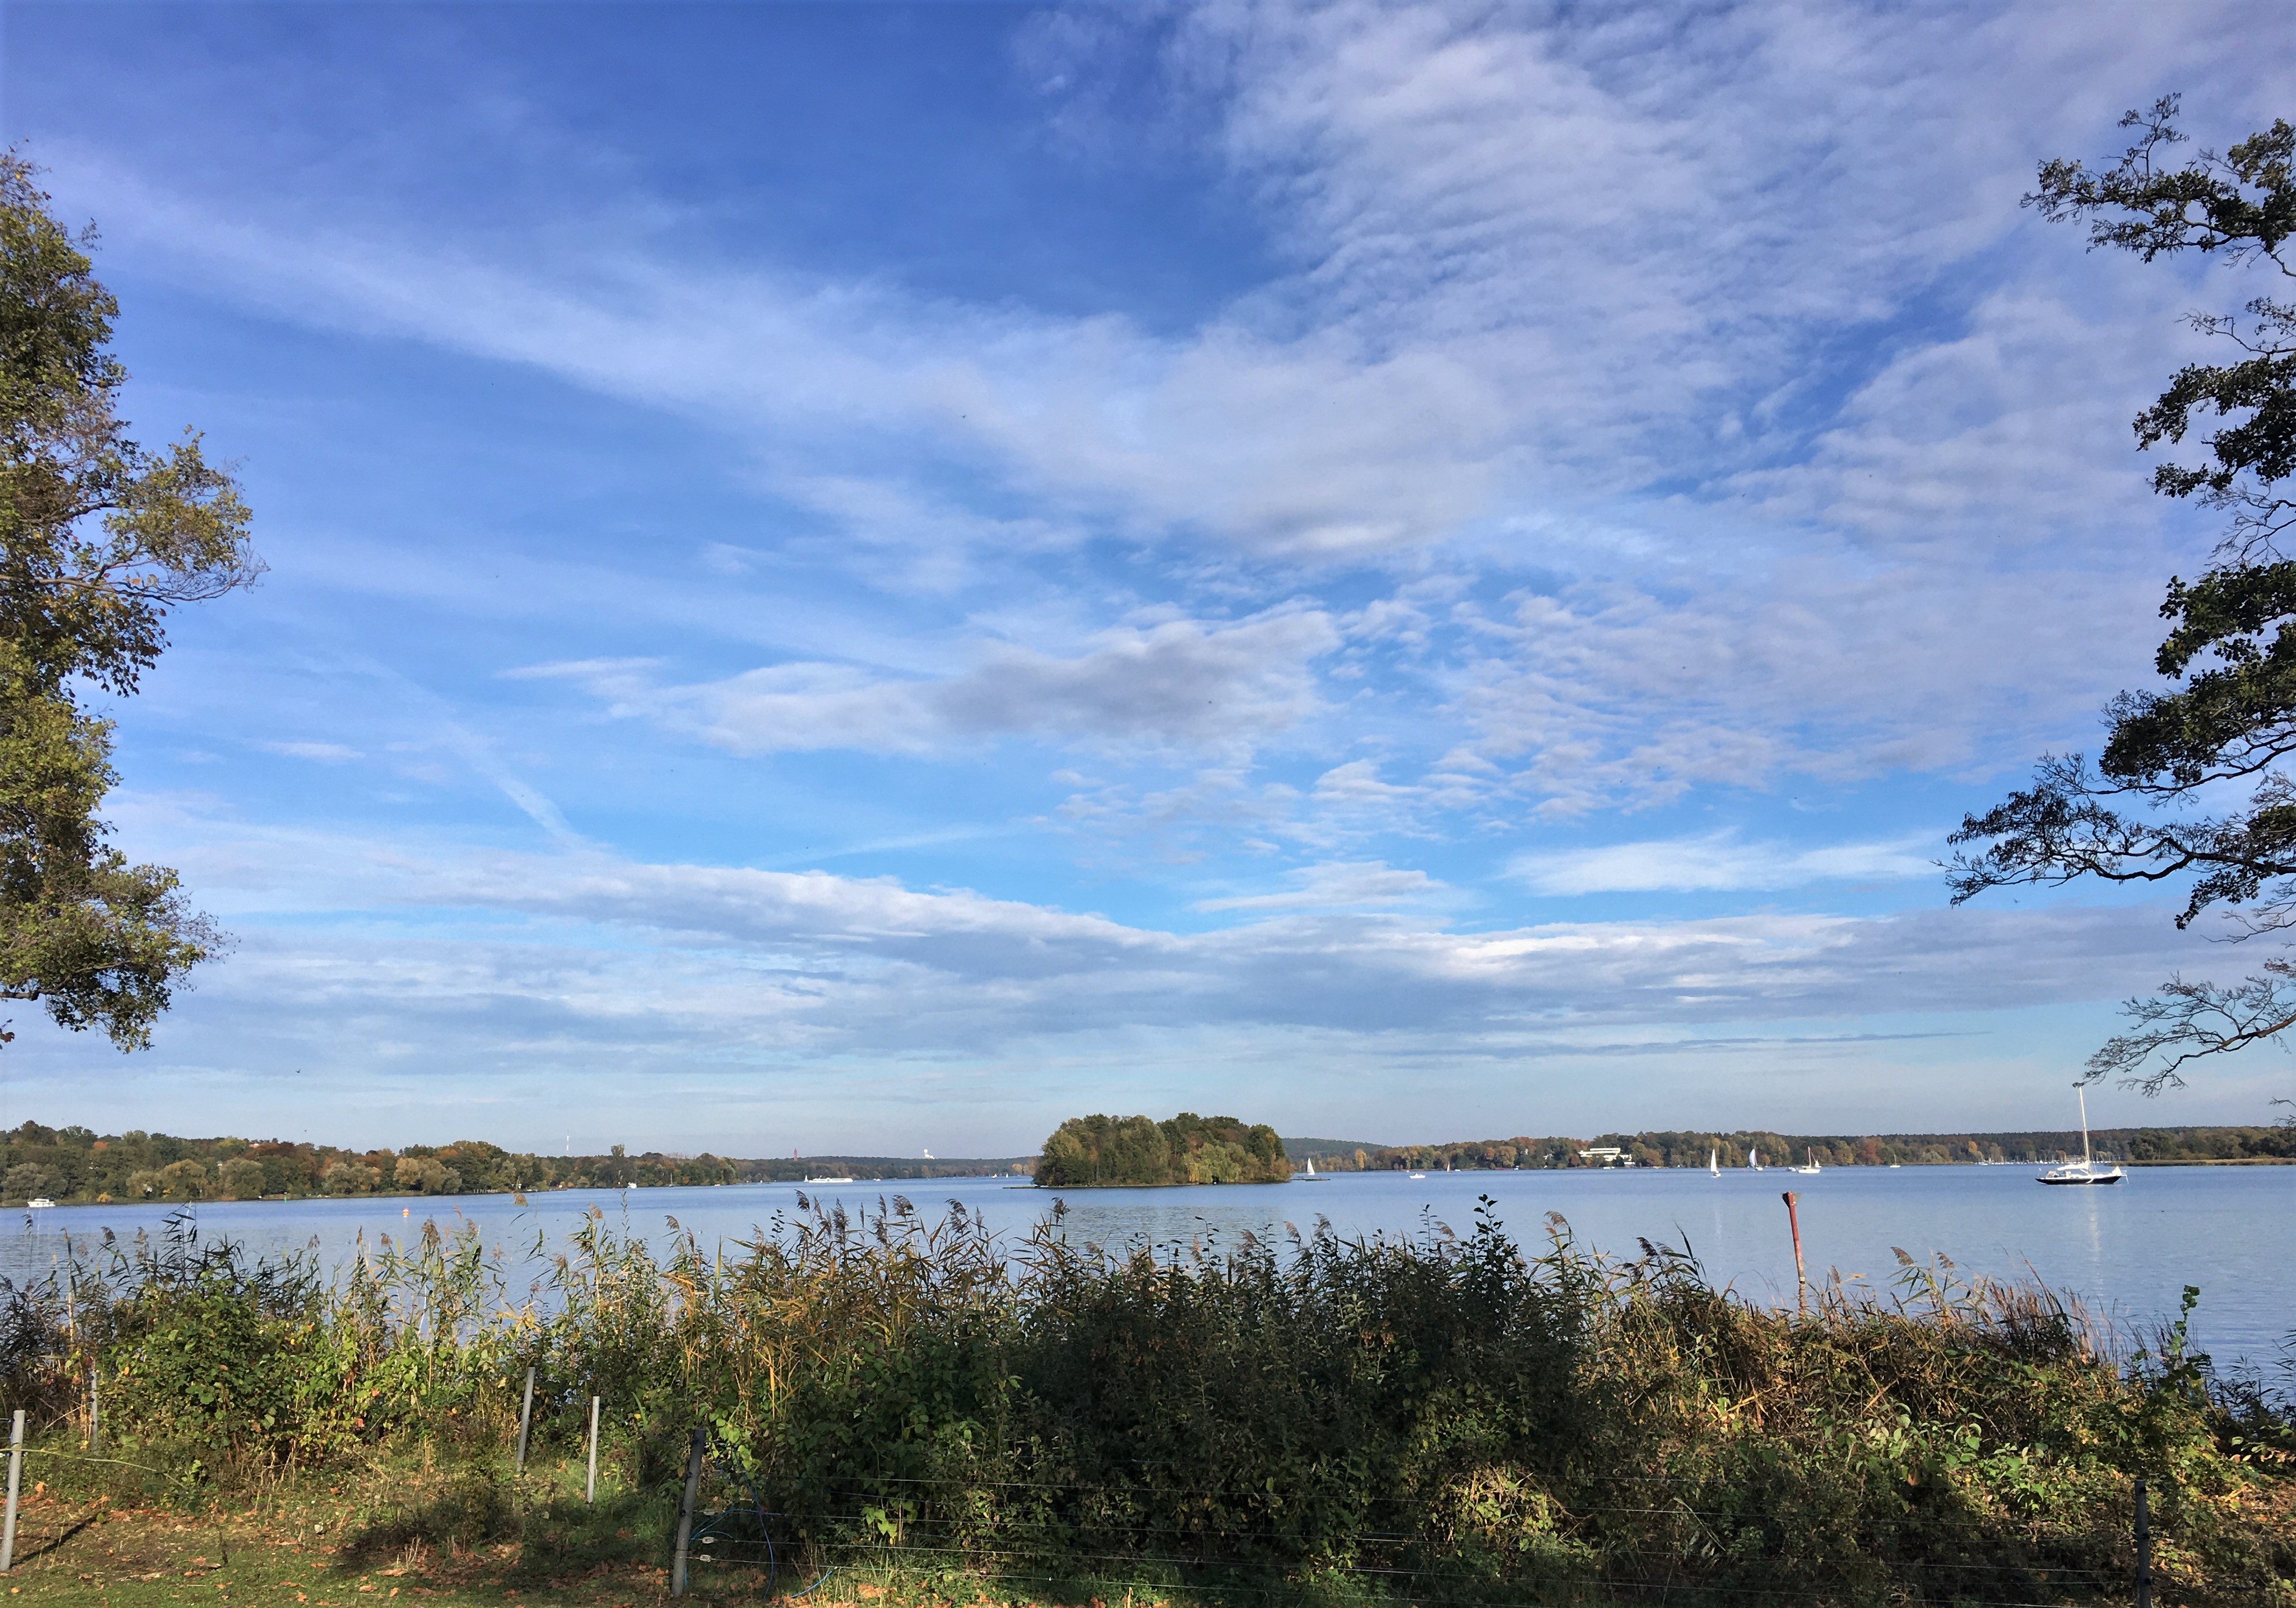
{"x": 1132, "y": 1152}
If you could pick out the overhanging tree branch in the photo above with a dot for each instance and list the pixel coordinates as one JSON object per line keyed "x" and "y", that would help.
{"x": 2187, "y": 1021}
{"x": 2230, "y": 719}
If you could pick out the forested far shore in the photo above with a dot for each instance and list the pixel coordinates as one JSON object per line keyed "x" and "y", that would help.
{"x": 1692, "y": 1148}
{"x": 77, "y": 1164}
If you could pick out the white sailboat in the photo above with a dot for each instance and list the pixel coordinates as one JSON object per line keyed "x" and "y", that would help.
{"x": 1754, "y": 1161}
{"x": 1313, "y": 1176}
{"x": 1714, "y": 1163}
{"x": 1812, "y": 1166}
{"x": 2085, "y": 1170}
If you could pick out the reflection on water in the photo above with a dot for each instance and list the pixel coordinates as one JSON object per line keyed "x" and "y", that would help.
{"x": 2129, "y": 1248}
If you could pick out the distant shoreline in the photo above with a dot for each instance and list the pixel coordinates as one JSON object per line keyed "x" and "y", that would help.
{"x": 1006, "y": 1182}
{"x": 1177, "y": 1184}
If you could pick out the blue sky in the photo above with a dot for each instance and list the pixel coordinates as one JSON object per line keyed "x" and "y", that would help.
{"x": 859, "y": 577}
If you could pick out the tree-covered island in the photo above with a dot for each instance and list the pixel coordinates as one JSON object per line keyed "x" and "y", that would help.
{"x": 1120, "y": 1152}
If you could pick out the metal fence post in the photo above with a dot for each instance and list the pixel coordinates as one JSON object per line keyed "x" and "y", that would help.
{"x": 94, "y": 1420}
{"x": 525, "y": 1420}
{"x": 590, "y": 1488}
{"x": 685, "y": 1513}
{"x": 15, "y": 1476}
{"x": 2144, "y": 1549}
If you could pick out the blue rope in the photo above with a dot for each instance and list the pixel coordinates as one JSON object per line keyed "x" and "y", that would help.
{"x": 809, "y": 1590}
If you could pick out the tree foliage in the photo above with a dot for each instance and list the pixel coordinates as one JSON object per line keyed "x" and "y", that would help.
{"x": 2163, "y": 804}
{"x": 99, "y": 538}
{"x": 1121, "y": 1152}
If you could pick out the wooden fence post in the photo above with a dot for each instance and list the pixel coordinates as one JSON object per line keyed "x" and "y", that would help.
{"x": 685, "y": 1513}
{"x": 1802, "y": 1283}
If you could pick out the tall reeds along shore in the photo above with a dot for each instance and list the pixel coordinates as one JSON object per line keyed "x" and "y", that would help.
{"x": 1445, "y": 1418}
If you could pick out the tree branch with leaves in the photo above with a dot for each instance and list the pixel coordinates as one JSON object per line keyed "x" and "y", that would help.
{"x": 99, "y": 538}
{"x": 2155, "y": 808}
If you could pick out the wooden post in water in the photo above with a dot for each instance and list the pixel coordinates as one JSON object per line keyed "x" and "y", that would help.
{"x": 1802, "y": 1281}
{"x": 685, "y": 1513}
{"x": 2144, "y": 1549}
{"x": 525, "y": 1420}
{"x": 590, "y": 1490}
{"x": 15, "y": 1477}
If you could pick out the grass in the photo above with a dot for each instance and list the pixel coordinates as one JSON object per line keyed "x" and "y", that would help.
{"x": 411, "y": 1528}
{"x": 406, "y": 1527}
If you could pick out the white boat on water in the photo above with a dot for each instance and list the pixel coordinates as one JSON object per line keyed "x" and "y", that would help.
{"x": 1313, "y": 1175}
{"x": 1714, "y": 1163}
{"x": 2085, "y": 1170}
{"x": 832, "y": 1180}
{"x": 1754, "y": 1161}
{"x": 1812, "y": 1166}
{"x": 1418, "y": 1175}
{"x": 38, "y": 1202}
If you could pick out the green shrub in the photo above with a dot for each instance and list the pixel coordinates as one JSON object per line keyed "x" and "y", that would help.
{"x": 1441, "y": 1417}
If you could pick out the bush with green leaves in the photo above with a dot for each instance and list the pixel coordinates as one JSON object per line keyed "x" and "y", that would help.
{"x": 1435, "y": 1417}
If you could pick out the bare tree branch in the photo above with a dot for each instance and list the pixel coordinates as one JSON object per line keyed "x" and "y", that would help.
{"x": 2188, "y": 1021}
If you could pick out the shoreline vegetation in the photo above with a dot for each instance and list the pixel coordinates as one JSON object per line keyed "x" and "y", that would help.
{"x": 76, "y": 1166}
{"x": 934, "y": 1413}
{"x": 1138, "y": 1153}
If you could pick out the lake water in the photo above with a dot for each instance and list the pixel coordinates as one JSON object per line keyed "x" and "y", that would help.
{"x": 2128, "y": 1250}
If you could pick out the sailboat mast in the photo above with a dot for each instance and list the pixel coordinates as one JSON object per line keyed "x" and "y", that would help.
{"x": 2083, "y": 1089}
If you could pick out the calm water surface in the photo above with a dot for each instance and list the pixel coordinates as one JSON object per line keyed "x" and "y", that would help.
{"x": 2129, "y": 1250}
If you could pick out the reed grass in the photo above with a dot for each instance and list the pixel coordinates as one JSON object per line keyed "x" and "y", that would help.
{"x": 1435, "y": 1418}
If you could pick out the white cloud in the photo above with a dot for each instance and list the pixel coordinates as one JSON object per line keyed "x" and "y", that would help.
{"x": 725, "y": 960}
{"x": 1537, "y": 261}
{"x": 1335, "y": 885}
{"x": 1619, "y": 693}
{"x": 1179, "y": 683}
{"x": 325, "y": 753}
{"x": 1720, "y": 862}
{"x": 1537, "y": 255}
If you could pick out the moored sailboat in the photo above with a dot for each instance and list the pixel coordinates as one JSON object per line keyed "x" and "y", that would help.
{"x": 2085, "y": 1170}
